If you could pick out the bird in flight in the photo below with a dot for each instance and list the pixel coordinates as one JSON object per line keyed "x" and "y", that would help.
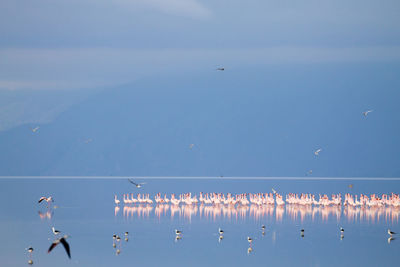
{"x": 316, "y": 153}
{"x": 138, "y": 185}
{"x": 365, "y": 113}
{"x": 221, "y": 69}
{"x": 63, "y": 241}
{"x": 34, "y": 130}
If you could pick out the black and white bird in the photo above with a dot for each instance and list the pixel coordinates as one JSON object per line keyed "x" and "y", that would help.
{"x": 391, "y": 232}
{"x": 30, "y": 250}
{"x": 263, "y": 228}
{"x": 249, "y": 239}
{"x": 341, "y": 230}
{"x": 220, "y": 231}
{"x": 55, "y": 232}
{"x": 63, "y": 241}
{"x": 178, "y": 232}
{"x": 138, "y": 185}
{"x": 47, "y": 199}
{"x": 365, "y": 113}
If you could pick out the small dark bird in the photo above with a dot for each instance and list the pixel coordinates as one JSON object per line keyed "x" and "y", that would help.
{"x": 221, "y": 69}
{"x": 221, "y": 232}
{"x": 63, "y": 241}
{"x": 138, "y": 185}
{"x": 302, "y": 232}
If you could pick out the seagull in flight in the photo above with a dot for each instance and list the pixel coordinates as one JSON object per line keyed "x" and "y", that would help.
{"x": 221, "y": 69}
{"x": 138, "y": 185}
{"x": 34, "y": 130}
{"x": 316, "y": 153}
{"x": 63, "y": 241}
{"x": 365, "y": 113}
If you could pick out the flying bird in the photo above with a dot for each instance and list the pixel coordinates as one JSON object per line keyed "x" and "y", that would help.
{"x": 34, "y": 130}
{"x": 317, "y": 151}
{"x": 221, "y": 69}
{"x": 138, "y": 185}
{"x": 63, "y": 241}
{"x": 47, "y": 199}
{"x": 365, "y": 113}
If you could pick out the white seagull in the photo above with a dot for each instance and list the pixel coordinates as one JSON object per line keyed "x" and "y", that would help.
{"x": 365, "y": 113}
{"x": 34, "y": 130}
{"x": 63, "y": 241}
{"x": 138, "y": 185}
{"x": 317, "y": 151}
{"x": 55, "y": 232}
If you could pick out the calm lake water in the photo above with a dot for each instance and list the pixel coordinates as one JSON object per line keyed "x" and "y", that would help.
{"x": 85, "y": 210}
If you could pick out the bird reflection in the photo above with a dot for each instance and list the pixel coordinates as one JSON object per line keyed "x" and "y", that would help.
{"x": 46, "y": 215}
{"x": 249, "y": 250}
{"x": 178, "y": 238}
{"x": 390, "y": 239}
{"x": 220, "y": 238}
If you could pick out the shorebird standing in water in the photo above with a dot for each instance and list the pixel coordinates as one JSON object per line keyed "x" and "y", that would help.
{"x": 30, "y": 250}
{"x": 178, "y": 232}
{"x": 391, "y": 233}
{"x": 116, "y": 200}
{"x": 63, "y": 241}
{"x": 55, "y": 232}
{"x": 365, "y": 113}
{"x": 220, "y": 231}
{"x": 316, "y": 153}
{"x": 249, "y": 239}
{"x": 138, "y": 185}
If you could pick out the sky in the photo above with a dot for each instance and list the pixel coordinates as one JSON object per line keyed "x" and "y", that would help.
{"x": 298, "y": 76}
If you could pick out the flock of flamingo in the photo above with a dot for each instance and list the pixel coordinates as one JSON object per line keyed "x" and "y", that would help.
{"x": 263, "y": 199}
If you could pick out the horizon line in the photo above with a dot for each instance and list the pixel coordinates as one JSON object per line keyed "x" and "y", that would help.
{"x": 96, "y": 177}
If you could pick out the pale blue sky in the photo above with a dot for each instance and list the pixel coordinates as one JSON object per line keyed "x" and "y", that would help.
{"x": 298, "y": 76}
